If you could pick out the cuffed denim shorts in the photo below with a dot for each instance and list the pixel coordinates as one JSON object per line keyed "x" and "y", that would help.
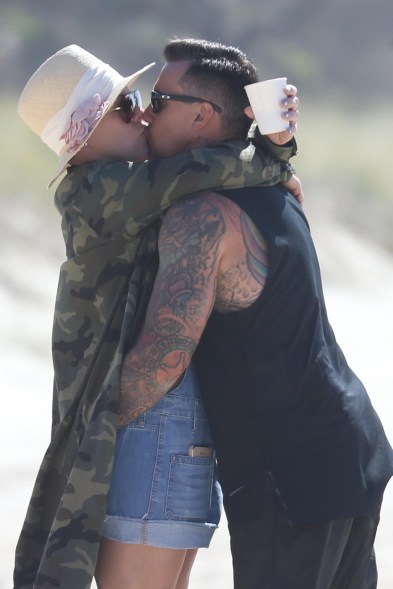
{"x": 164, "y": 490}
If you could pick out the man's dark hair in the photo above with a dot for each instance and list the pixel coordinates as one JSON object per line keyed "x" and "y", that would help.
{"x": 218, "y": 73}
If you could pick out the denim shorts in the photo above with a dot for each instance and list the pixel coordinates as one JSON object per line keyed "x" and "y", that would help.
{"x": 164, "y": 490}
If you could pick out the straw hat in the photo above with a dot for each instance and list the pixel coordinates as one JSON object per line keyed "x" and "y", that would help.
{"x": 65, "y": 99}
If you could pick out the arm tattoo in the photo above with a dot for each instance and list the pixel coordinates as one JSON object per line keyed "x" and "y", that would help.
{"x": 257, "y": 250}
{"x": 242, "y": 282}
{"x": 181, "y": 302}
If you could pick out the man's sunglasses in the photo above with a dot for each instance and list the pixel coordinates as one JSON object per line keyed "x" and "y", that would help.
{"x": 127, "y": 105}
{"x": 157, "y": 100}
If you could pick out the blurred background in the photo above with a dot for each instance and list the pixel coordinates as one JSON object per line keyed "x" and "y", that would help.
{"x": 340, "y": 56}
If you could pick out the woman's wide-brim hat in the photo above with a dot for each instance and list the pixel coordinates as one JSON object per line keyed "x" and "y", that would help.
{"x": 70, "y": 85}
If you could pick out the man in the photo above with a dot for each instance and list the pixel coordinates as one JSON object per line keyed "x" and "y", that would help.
{"x": 302, "y": 455}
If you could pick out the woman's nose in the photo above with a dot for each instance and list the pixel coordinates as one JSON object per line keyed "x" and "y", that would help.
{"x": 148, "y": 114}
{"x": 137, "y": 115}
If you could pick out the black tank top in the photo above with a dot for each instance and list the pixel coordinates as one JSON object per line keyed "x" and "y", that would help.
{"x": 279, "y": 394}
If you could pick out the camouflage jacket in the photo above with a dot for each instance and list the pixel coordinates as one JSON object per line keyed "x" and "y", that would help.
{"x": 110, "y": 219}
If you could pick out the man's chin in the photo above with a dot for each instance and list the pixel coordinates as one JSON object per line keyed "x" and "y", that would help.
{"x": 150, "y": 150}
{"x": 154, "y": 151}
{"x": 155, "y": 154}
{"x": 149, "y": 153}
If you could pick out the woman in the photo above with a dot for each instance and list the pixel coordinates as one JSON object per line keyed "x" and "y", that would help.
{"x": 86, "y": 112}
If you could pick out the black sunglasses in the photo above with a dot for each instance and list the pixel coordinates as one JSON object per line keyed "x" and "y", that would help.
{"x": 157, "y": 99}
{"x": 127, "y": 105}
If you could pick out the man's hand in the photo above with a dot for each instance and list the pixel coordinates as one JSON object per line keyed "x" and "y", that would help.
{"x": 294, "y": 186}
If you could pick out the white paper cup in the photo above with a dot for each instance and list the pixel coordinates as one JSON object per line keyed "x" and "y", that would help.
{"x": 265, "y": 100}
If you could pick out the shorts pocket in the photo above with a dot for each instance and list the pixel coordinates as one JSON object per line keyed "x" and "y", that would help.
{"x": 189, "y": 488}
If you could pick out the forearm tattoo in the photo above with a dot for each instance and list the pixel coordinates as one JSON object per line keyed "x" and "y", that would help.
{"x": 179, "y": 307}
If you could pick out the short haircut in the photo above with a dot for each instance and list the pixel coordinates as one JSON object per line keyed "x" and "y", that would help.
{"x": 218, "y": 73}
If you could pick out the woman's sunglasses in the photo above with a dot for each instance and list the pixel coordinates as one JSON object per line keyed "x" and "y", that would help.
{"x": 157, "y": 100}
{"x": 127, "y": 105}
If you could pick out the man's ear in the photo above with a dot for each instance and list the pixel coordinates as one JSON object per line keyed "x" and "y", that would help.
{"x": 204, "y": 115}
{"x": 249, "y": 112}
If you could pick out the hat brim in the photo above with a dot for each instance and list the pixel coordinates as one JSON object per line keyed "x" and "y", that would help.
{"x": 125, "y": 83}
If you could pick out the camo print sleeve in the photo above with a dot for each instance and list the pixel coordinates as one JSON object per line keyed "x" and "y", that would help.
{"x": 281, "y": 152}
{"x": 159, "y": 183}
{"x": 121, "y": 199}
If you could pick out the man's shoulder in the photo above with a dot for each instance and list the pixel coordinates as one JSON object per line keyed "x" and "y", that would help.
{"x": 205, "y": 209}
{"x": 194, "y": 205}
{"x": 202, "y": 201}
{"x": 202, "y": 217}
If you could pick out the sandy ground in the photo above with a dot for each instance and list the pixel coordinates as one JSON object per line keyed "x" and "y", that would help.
{"x": 359, "y": 295}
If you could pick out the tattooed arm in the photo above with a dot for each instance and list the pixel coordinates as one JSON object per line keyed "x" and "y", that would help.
{"x": 210, "y": 255}
{"x": 180, "y": 304}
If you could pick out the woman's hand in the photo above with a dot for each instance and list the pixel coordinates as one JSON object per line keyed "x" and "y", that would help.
{"x": 295, "y": 187}
{"x": 291, "y": 114}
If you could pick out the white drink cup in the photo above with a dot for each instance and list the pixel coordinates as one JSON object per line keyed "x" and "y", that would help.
{"x": 265, "y": 100}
